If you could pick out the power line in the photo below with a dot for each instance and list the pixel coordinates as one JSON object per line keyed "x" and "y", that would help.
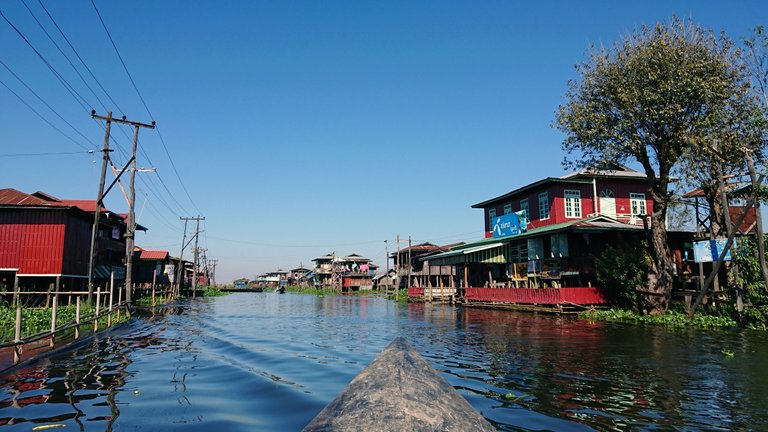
{"x": 80, "y": 58}
{"x": 10, "y": 155}
{"x": 135, "y": 87}
{"x": 43, "y": 117}
{"x": 44, "y": 103}
{"x": 77, "y": 96}
{"x": 62, "y": 53}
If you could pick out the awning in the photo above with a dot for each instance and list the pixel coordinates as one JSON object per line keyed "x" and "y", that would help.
{"x": 493, "y": 253}
{"x": 104, "y": 271}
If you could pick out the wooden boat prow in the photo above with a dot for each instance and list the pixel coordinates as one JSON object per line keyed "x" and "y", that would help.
{"x": 399, "y": 391}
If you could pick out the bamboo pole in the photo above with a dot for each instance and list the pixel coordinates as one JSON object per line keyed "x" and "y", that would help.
{"x": 98, "y": 303}
{"x": 111, "y": 298}
{"x": 17, "y": 335}
{"x": 77, "y": 318}
{"x": 53, "y": 319}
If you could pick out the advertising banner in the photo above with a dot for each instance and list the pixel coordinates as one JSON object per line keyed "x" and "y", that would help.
{"x": 509, "y": 224}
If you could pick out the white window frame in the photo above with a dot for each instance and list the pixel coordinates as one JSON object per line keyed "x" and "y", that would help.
{"x": 507, "y": 208}
{"x": 544, "y": 209}
{"x": 524, "y": 207}
{"x": 491, "y": 215}
{"x": 572, "y": 200}
{"x": 637, "y": 204}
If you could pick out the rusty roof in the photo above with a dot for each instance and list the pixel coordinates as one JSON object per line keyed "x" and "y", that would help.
{"x": 153, "y": 254}
{"x": 11, "y": 196}
{"x": 730, "y": 187}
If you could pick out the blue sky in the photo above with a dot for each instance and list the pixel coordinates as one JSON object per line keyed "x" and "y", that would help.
{"x": 302, "y": 128}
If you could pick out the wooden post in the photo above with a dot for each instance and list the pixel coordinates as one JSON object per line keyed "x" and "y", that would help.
{"x": 119, "y": 301}
{"x": 53, "y": 317}
{"x": 154, "y": 279}
{"x": 111, "y": 297}
{"x": 98, "y": 303}
{"x": 17, "y": 335}
{"x": 758, "y": 220}
{"x": 16, "y": 298}
{"x": 77, "y": 317}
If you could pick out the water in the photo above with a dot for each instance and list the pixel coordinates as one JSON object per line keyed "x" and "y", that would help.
{"x": 269, "y": 362}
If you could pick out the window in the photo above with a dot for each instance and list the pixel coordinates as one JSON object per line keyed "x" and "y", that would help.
{"x": 572, "y": 204}
{"x": 637, "y": 202}
{"x": 535, "y": 248}
{"x": 543, "y": 206}
{"x": 524, "y": 207}
{"x": 606, "y": 193}
{"x": 559, "y": 245}
{"x": 491, "y": 215}
{"x": 508, "y": 209}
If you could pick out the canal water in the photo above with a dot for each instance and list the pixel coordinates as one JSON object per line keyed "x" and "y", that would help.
{"x": 271, "y": 362}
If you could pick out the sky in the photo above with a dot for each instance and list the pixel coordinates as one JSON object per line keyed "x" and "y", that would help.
{"x": 301, "y": 128}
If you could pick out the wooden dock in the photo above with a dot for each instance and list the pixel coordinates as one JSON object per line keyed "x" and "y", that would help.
{"x": 399, "y": 391}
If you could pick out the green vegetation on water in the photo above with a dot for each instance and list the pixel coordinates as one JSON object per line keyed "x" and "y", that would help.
{"x": 671, "y": 319}
{"x": 38, "y": 319}
{"x": 207, "y": 291}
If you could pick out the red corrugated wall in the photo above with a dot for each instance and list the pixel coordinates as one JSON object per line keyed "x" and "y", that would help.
{"x": 77, "y": 245}
{"x": 32, "y": 240}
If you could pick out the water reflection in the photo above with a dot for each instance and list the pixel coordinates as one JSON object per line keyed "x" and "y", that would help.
{"x": 268, "y": 362}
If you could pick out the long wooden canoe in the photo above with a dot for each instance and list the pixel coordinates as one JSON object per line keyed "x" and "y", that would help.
{"x": 399, "y": 391}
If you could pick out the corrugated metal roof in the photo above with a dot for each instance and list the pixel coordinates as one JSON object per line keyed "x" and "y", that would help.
{"x": 580, "y": 177}
{"x": 494, "y": 250}
{"x": 730, "y": 187}
{"x": 11, "y": 196}
{"x": 153, "y": 254}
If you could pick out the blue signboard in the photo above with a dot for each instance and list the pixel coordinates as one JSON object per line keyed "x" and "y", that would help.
{"x": 710, "y": 250}
{"x": 509, "y": 224}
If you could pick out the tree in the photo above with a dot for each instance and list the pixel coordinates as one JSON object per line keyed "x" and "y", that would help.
{"x": 659, "y": 97}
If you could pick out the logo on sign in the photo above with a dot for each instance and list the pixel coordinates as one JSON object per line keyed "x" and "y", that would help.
{"x": 509, "y": 224}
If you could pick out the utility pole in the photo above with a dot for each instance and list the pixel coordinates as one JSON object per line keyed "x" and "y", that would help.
{"x": 398, "y": 266}
{"x": 131, "y": 229}
{"x": 180, "y": 270}
{"x": 131, "y": 223}
{"x": 758, "y": 218}
{"x": 386, "y": 257}
{"x": 410, "y": 264}
{"x": 197, "y": 252}
{"x": 213, "y": 270}
{"x": 97, "y": 213}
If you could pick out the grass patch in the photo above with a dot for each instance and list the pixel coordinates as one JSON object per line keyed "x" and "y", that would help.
{"x": 38, "y": 320}
{"x": 671, "y": 319}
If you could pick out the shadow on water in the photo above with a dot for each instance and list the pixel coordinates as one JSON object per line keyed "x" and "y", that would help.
{"x": 260, "y": 361}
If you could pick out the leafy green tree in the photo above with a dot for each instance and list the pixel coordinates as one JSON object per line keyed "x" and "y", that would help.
{"x": 619, "y": 271}
{"x": 660, "y": 97}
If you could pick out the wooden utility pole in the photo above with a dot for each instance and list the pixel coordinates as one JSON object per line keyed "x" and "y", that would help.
{"x": 180, "y": 270}
{"x": 130, "y": 234}
{"x": 386, "y": 258}
{"x": 197, "y": 255}
{"x": 131, "y": 223}
{"x": 184, "y": 244}
{"x": 97, "y": 212}
{"x": 410, "y": 263}
{"x": 213, "y": 270}
{"x": 758, "y": 218}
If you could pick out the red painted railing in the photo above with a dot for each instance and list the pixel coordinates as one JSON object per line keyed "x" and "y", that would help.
{"x": 544, "y": 296}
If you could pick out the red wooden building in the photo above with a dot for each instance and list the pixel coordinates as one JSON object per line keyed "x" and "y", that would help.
{"x": 564, "y": 224}
{"x": 45, "y": 240}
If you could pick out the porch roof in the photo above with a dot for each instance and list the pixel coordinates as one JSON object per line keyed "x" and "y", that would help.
{"x": 495, "y": 250}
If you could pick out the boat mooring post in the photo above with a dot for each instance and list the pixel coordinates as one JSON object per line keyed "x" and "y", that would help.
{"x": 399, "y": 391}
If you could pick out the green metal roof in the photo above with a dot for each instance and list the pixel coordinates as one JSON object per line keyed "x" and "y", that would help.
{"x": 498, "y": 247}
